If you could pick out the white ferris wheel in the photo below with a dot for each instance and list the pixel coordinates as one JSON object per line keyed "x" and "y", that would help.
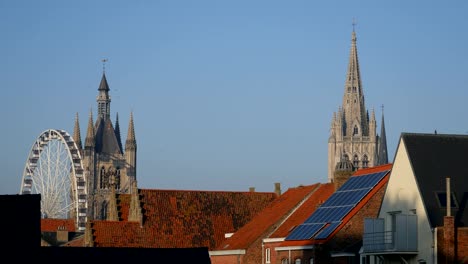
{"x": 54, "y": 169}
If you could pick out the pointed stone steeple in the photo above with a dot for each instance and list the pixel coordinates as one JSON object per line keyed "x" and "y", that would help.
{"x": 131, "y": 151}
{"x": 383, "y": 156}
{"x": 76, "y": 133}
{"x": 353, "y": 99}
{"x": 89, "y": 141}
{"x": 131, "y": 141}
{"x": 103, "y": 99}
{"x": 117, "y": 132}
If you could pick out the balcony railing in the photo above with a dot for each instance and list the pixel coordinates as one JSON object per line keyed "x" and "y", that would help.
{"x": 403, "y": 237}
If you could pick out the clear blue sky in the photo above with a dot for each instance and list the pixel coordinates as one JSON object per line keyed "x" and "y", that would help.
{"x": 227, "y": 95}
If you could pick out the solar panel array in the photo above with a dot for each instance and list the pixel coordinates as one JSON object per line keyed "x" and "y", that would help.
{"x": 331, "y": 213}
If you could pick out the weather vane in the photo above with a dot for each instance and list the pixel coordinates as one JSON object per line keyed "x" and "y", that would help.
{"x": 104, "y": 64}
{"x": 382, "y": 108}
{"x": 354, "y": 23}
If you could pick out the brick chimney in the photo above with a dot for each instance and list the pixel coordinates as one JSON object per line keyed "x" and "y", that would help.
{"x": 278, "y": 188}
{"x": 252, "y": 189}
{"x": 62, "y": 234}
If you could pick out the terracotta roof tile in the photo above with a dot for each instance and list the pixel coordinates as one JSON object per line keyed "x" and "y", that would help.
{"x": 178, "y": 219}
{"x": 52, "y": 225}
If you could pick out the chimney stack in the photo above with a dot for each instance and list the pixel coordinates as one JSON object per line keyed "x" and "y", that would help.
{"x": 252, "y": 189}
{"x": 278, "y": 188}
{"x": 450, "y": 239}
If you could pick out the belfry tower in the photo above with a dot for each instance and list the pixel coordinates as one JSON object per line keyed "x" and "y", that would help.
{"x": 353, "y": 133}
{"x": 109, "y": 169}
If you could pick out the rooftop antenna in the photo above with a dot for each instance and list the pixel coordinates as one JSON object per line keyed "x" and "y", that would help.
{"x": 104, "y": 65}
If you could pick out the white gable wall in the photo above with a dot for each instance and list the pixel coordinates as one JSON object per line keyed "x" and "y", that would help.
{"x": 402, "y": 194}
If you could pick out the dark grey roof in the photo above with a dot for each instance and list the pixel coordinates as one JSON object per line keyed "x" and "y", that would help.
{"x": 434, "y": 157}
{"x": 106, "y": 140}
{"x": 103, "y": 86}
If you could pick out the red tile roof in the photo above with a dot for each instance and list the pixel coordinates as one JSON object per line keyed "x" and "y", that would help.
{"x": 275, "y": 213}
{"x": 178, "y": 219}
{"x": 52, "y": 225}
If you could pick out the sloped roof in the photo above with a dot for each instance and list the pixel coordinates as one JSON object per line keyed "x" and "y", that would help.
{"x": 52, "y": 225}
{"x": 300, "y": 214}
{"x": 178, "y": 218}
{"x": 434, "y": 157}
{"x": 352, "y": 212}
{"x": 272, "y": 215}
{"x": 106, "y": 139}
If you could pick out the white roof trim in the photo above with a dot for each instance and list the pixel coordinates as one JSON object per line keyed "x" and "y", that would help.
{"x": 271, "y": 240}
{"x": 227, "y": 252}
{"x": 294, "y": 248}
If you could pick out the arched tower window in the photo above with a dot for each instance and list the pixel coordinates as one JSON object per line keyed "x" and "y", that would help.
{"x": 365, "y": 161}
{"x": 355, "y": 130}
{"x": 356, "y": 161}
{"x": 103, "y": 211}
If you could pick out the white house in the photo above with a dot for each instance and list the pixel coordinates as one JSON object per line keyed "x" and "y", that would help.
{"x": 414, "y": 224}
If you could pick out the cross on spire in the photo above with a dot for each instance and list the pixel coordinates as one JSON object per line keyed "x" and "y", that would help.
{"x": 104, "y": 65}
{"x": 354, "y": 23}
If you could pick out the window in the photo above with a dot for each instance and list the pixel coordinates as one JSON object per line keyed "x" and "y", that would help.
{"x": 442, "y": 199}
{"x": 284, "y": 261}
{"x": 346, "y": 157}
{"x": 355, "y": 161}
{"x": 355, "y": 130}
{"x": 311, "y": 261}
{"x": 267, "y": 255}
{"x": 365, "y": 161}
{"x": 298, "y": 261}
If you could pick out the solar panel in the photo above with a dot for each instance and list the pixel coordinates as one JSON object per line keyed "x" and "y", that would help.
{"x": 337, "y": 206}
{"x": 304, "y": 231}
{"x": 327, "y": 230}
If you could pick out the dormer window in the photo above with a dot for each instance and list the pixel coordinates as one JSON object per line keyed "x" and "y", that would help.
{"x": 442, "y": 199}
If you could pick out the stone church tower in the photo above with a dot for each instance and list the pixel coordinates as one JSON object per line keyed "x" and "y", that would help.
{"x": 109, "y": 169}
{"x": 353, "y": 134}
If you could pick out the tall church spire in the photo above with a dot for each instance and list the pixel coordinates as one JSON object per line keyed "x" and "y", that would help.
{"x": 76, "y": 133}
{"x": 383, "y": 156}
{"x": 353, "y": 136}
{"x": 353, "y": 99}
